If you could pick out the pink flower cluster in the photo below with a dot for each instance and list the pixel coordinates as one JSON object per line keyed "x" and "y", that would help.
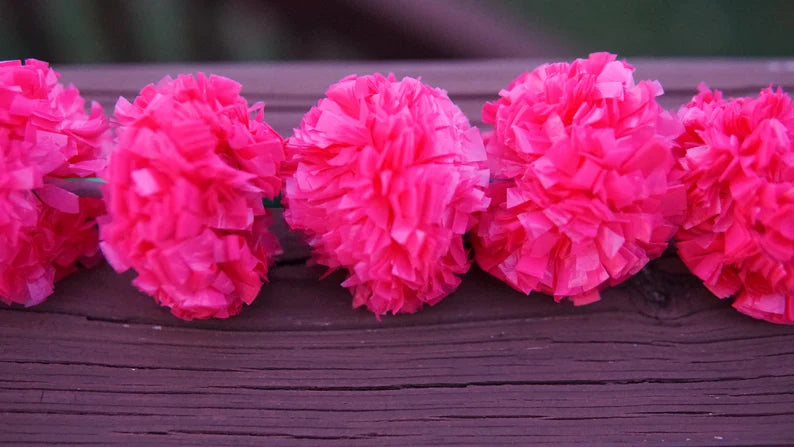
{"x": 583, "y": 196}
{"x": 737, "y": 162}
{"x": 185, "y": 187}
{"x": 384, "y": 177}
{"x": 45, "y": 135}
{"x": 584, "y": 179}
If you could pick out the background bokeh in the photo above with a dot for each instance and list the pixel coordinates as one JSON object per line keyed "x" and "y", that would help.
{"x": 89, "y": 31}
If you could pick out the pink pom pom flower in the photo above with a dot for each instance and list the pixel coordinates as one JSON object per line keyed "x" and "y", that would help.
{"x": 737, "y": 162}
{"x": 583, "y": 195}
{"x": 45, "y": 136}
{"x": 186, "y": 181}
{"x": 384, "y": 177}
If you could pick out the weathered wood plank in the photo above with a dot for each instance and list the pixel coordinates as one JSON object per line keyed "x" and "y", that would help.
{"x": 100, "y": 363}
{"x": 289, "y": 90}
{"x": 459, "y": 78}
{"x": 484, "y": 364}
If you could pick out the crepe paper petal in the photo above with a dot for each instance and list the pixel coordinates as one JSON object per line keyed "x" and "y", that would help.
{"x": 46, "y": 135}
{"x": 583, "y": 193}
{"x": 737, "y": 164}
{"x": 58, "y": 198}
{"x": 185, "y": 185}
{"x": 81, "y": 187}
{"x": 384, "y": 177}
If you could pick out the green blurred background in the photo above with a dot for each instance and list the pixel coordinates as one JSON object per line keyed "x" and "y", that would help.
{"x": 88, "y": 31}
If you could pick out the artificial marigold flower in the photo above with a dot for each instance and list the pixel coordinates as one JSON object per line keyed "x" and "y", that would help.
{"x": 583, "y": 196}
{"x": 45, "y": 136}
{"x": 184, "y": 192}
{"x": 384, "y": 177}
{"x": 737, "y": 162}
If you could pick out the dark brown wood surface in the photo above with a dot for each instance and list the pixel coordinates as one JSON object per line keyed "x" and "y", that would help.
{"x": 659, "y": 361}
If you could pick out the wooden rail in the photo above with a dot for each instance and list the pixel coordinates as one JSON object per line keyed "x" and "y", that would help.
{"x": 659, "y": 361}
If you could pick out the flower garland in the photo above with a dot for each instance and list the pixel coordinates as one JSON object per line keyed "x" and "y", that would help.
{"x": 583, "y": 180}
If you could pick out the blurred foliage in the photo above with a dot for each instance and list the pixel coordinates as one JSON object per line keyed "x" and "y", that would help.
{"x": 159, "y": 30}
{"x": 198, "y": 30}
{"x": 668, "y": 27}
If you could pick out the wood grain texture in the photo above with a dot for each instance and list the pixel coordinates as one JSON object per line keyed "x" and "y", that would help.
{"x": 659, "y": 361}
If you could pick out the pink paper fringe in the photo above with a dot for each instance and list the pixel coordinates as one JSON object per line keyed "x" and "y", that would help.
{"x": 185, "y": 186}
{"x": 45, "y": 133}
{"x": 583, "y": 195}
{"x": 384, "y": 177}
{"x": 737, "y": 162}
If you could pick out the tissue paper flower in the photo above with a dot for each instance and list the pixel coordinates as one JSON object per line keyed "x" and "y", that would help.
{"x": 737, "y": 160}
{"x": 186, "y": 180}
{"x": 583, "y": 196}
{"x": 384, "y": 177}
{"x": 45, "y": 135}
